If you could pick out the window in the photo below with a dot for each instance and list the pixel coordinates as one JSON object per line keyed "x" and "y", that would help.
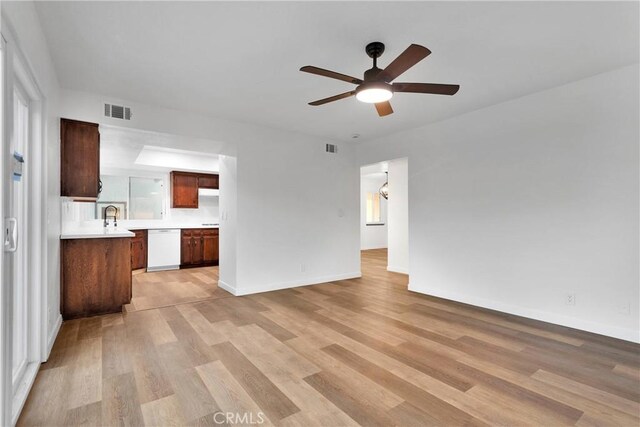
{"x": 373, "y": 208}
{"x": 145, "y": 197}
{"x": 134, "y": 197}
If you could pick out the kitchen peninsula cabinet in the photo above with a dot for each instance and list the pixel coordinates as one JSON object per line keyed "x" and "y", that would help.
{"x": 96, "y": 276}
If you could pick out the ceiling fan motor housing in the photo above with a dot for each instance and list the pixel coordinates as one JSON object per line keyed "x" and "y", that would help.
{"x": 375, "y": 49}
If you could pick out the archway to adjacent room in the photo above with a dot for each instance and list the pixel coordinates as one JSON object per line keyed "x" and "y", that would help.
{"x": 384, "y": 217}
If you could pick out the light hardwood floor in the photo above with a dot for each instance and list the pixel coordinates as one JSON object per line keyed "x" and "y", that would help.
{"x": 172, "y": 287}
{"x": 363, "y": 351}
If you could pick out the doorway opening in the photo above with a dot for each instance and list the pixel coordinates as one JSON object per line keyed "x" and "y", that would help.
{"x": 384, "y": 216}
{"x": 167, "y": 190}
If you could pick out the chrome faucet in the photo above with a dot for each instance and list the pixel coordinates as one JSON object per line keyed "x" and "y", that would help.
{"x": 106, "y": 216}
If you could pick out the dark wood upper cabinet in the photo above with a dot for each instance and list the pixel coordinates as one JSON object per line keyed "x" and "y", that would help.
{"x": 208, "y": 181}
{"x": 185, "y": 185}
{"x": 80, "y": 160}
{"x": 184, "y": 190}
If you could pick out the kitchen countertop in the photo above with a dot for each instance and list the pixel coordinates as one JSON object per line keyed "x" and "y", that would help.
{"x": 123, "y": 230}
{"x": 96, "y": 234}
{"x": 169, "y": 226}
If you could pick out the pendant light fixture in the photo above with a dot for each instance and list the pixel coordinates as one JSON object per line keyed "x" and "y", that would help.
{"x": 384, "y": 190}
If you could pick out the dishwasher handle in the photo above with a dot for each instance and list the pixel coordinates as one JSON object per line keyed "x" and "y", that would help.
{"x": 168, "y": 230}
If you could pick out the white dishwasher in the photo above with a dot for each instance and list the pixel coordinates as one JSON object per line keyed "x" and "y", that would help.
{"x": 163, "y": 251}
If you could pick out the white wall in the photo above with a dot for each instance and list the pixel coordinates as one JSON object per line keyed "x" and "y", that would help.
{"x": 398, "y": 216}
{"x": 514, "y": 206}
{"x": 372, "y": 236}
{"x": 24, "y": 24}
{"x": 208, "y": 211}
{"x": 297, "y": 211}
{"x": 228, "y": 219}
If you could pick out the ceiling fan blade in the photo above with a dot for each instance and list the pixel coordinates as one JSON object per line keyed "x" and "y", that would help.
{"x": 384, "y": 108}
{"x": 436, "y": 88}
{"x": 333, "y": 98}
{"x": 331, "y": 74}
{"x": 407, "y": 59}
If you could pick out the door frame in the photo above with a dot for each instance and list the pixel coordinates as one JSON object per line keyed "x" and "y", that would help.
{"x": 17, "y": 69}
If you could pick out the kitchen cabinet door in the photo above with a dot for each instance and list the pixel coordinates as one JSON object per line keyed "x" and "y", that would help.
{"x": 208, "y": 181}
{"x": 184, "y": 190}
{"x": 137, "y": 254}
{"x": 210, "y": 247}
{"x": 196, "y": 253}
{"x": 186, "y": 249}
{"x": 139, "y": 250}
{"x": 79, "y": 160}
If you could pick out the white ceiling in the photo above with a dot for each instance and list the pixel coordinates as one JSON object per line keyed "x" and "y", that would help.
{"x": 240, "y": 60}
{"x": 130, "y": 149}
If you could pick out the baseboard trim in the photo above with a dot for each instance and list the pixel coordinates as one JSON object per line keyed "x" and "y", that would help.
{"x": 256, "y": 289}
{"x": 544, "y": 316}
{"x": 52, "y": 337}
{"x": 21, "y": 394}
{"x": 227, "y": 287}
{"x": 395, "y": 269}
{"x": 163, "y": 268}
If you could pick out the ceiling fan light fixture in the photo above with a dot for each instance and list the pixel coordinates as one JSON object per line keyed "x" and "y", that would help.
{"x": 376, "y": 86}
{"x": 374, "y": 93}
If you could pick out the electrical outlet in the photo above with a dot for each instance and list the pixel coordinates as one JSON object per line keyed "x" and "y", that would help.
{"x": 570, "y": 299}
{"x": 623, "y": 308}
{"x": 303, "y": 268}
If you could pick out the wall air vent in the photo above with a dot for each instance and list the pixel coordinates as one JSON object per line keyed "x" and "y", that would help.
{"x": 331, "y": 148}
{"x": 117, "y": 111}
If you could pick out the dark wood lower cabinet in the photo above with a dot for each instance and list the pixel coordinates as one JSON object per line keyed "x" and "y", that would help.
{"x": 139, "y": 250}
{"x": 210, "y": 246}
{"x": 199, "y": 247}
{"x": 96, "y": 276}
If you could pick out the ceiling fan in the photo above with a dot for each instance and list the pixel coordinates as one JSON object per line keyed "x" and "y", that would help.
{"x": 376, "y": 87}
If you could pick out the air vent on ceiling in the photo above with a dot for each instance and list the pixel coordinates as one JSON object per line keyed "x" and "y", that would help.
{"x": 331, "y": 148}
{"x": 117, "y": 111}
